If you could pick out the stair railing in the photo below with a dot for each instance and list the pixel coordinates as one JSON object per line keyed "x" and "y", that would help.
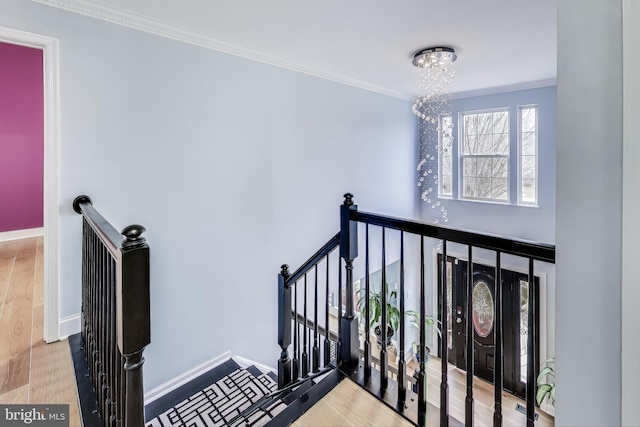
{"x": 115, "y": 314}
{"x": 395, "y": 395}
{"x": 295, "y": 327}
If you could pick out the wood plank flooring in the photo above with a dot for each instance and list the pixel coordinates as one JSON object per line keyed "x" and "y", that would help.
{"x": 349, "y": 405}
{"x": 31, "y": 371}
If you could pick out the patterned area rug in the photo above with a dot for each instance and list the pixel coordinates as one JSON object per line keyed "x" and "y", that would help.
{"x": 221, "y": 403}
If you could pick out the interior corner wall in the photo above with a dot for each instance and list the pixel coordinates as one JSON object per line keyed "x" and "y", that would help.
{"x": 233, "y": 166}
{"x": 21, "y": 138}
{"x": 589, "y": 212}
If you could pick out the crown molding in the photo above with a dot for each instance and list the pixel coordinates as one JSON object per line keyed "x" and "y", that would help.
{"x": 537, "y": 84}
{"x": 140, "y": 23}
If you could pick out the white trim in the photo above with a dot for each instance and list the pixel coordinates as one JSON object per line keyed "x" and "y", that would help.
{"x": 537, "y": 84}
{"x": 184, "y": 378}
{"x": 140, "y": 23}
{"x": 630, "y": 353}
{"x": 244, "y": 363}
{"x": 5, "y": 236}
{"x": 49, "y": 46}
{"x": 69, "y": 325}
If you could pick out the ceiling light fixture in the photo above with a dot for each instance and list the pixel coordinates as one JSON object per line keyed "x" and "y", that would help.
{"x": 434, "y": 76}
{"x": 434, "y": 56}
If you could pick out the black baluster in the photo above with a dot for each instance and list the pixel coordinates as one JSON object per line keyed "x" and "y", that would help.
{"x": 367, "y": 311}
{"x": 305, "y": 345}
{"x": 402, "y": 374}
{"x": 531, "y": 349}
{"x": 468, "y": 410}
{"x": 384, "y": 321}
{"x": 316, "y": 348}
{"x": 284, "y": 327}
{"x": 422, "y": 375}
{"x": 348, "y": 251}
{"x": 296, "y": 338}
{"x": 444, "y": 383}
{"x": 498, "y": 362}
{"x": 340, "y": 334}
{"x": 327, "y": 341}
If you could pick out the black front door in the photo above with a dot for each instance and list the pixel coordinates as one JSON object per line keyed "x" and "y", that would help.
{"x": 514, "y": 314}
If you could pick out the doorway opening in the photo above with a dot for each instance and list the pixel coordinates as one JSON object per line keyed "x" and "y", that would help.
{"x": 49, "y": 47}
{"x": 515, "y": 311}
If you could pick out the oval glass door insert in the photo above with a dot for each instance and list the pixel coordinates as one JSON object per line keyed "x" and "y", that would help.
{"x": 483, "y": 309}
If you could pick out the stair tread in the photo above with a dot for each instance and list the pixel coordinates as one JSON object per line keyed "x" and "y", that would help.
{"x": 217, "y": 403}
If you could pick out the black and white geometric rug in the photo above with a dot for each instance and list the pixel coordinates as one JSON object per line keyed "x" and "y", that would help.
{"x": 222, "y": 401}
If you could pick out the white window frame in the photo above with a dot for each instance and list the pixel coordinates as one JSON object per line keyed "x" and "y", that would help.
{"x": 461, "y": 156}
{"x": 442, "y": 194}
{"x": 520, "y": 155}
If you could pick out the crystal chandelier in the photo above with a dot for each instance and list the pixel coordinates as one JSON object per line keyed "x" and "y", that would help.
{"x": 434, "y": 76}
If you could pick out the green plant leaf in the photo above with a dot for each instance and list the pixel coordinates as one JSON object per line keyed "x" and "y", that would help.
{"x": 547, "y": 370}
{"x": 542, "y": 392}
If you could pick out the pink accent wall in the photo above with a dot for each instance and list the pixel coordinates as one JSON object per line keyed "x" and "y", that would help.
{"x": 21, "y": 138}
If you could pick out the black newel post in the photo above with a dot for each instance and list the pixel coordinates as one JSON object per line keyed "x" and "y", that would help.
{"x": 133, "y": 318}
{"x": 284, "y": 327}
{"x": 348, "y": 252}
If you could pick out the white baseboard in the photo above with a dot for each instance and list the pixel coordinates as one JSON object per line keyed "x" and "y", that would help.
{"x": 244, "y": 363}
{"x": 5, "y": 236}
{"x": 182, "y": 379}
{"x": 68, "y": 326}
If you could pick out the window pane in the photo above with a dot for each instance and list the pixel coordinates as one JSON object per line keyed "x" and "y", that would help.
{"x": 501, "y": 122}
{"x": 447, "y": 163}
{"x": 501, "y": 143}
{"x": 469, "y": 167}
{"x": 447, "y": 185}
{"x": 528, "y": 144}
{"x": 529, "y": 167}
{"x": 500, "y": 167}
{"x": 485, "y": 165}
{"x": 469, "y": 187}
{"x": 484, "y": 188}
{"x": 528, "y": 152}
{"x": 529, "y": 190}
{"x": 486, "y": 148}
{"x": 528, "y": 119}
{"x": 446, "y": 153}
{"x": 499, "y": 188}
{"x": 484, "y": 145}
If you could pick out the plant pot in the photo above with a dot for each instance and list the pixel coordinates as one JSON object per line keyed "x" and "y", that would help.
{"x": 378, "y": 331}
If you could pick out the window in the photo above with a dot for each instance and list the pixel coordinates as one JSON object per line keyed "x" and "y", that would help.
{"x": 485, "y": 155}
{"x": 445, "y": 140}
{"x": 528, "y": 165}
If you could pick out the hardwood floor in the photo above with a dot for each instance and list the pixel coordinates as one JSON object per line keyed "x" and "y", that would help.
{"x": 349, "y": 405}
{"x": 31, "y": 371}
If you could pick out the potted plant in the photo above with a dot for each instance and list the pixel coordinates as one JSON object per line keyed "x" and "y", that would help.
{"x": 429, "y": 321}
{"x": 375, "y": 311}
{"x": 546, "y": 383}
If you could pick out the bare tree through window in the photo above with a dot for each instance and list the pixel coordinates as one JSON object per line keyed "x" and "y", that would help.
{"x": 485, "y": 155}
{"x": 528, "y": 155}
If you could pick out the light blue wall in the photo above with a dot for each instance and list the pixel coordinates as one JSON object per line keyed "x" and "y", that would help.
{"x": 233, "y": 166}
{"x": 589, "y": 217}
{"x": 532, "y": 223}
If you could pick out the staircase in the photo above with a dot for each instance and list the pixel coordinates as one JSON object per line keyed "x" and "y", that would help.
{"x": 235, "y": 395}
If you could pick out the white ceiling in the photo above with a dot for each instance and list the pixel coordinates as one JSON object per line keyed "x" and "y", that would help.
{"x": 370, "y": 43}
